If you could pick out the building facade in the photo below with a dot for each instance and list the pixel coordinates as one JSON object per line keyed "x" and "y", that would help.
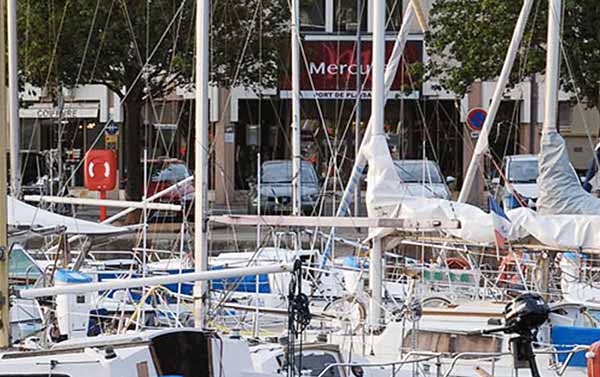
{"x": 252, "y": 125}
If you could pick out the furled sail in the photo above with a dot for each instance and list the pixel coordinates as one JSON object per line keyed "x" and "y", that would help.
{"x": 387, "y": 198}
{"x": 560, "y": 190}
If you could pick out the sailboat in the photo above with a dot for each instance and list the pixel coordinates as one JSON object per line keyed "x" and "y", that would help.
{"x": 447, "y": 334}
{"x": 177, "y": 351}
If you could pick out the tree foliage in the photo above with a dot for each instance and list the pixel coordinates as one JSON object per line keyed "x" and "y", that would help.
{"x": 248, "y": 40}
{"x": 470, "y": 38}
{"x": 64, "y": 43}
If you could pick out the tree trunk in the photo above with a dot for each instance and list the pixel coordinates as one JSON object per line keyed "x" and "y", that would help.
{"x": 133, "y": 124}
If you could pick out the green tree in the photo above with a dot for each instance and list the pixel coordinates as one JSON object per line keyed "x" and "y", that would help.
{"x": 470, "y": 38}
{"x": 64, "y": 43}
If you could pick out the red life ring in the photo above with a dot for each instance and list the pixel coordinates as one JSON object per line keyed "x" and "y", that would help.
{"x": 593, "y": 360}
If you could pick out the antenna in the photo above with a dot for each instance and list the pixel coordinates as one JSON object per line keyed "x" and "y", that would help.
{"x": 4, "y": 307}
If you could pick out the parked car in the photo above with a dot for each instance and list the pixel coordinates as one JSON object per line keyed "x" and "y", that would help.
{"x": 423, "y": 178}
{"x": 521, "y": 172}
{"x": 165, "y": 172}
{"x": 276, "y": 188}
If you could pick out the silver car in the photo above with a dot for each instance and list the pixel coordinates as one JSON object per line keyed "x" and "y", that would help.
{"x": 423, "y": 178}
{"x": 276, "y": 188}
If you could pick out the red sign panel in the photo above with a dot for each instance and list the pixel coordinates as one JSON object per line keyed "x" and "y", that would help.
{"x": 331, "y": 66}
{"x": 100, "y": 170}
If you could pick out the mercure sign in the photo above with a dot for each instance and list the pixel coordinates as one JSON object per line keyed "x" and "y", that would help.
{"x": 330, "y": 70}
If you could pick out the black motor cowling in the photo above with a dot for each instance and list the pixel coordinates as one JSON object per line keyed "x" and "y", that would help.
{"x": 525, "y": 314}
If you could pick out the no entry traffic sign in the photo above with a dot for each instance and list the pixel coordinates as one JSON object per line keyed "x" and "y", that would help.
{"x": 475, "y": 118}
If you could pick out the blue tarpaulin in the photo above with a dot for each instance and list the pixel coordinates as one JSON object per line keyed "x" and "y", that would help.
{"x": 568, "y": 336}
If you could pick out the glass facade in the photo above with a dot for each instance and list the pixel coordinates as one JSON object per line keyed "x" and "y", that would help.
{"x": 312, "y": 15}
{"x": 346, "y": 17}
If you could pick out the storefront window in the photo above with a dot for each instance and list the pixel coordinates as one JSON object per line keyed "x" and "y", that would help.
{"x": 346, "y": 19}
{"x": 312, "y": 15}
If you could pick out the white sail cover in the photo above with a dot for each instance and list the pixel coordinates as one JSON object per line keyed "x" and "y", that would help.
{"x": 386, "y": 198}
{"x": 24, "y": 215}
{"x": 560, "y": 189}
{"x": 560, "y": 231}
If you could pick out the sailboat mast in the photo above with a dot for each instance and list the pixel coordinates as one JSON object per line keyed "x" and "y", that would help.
{"x": 360, "y": 160}
{"x": 201, "y": 162}
{"x": 482, "y": 142}
{"x": 377, "y": 115}
{"x": 4, "y": 305}
{"x": 377, "y": 69}
{"x": 551, "y": 105}
{"x": 552, "y": 67}
{"x": 13, "y": 84}
{"x": 296, "y": 118}
{"x": 358, "y": 115}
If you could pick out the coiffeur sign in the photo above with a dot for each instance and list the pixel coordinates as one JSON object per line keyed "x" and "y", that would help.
{"x": 331, "y": 71}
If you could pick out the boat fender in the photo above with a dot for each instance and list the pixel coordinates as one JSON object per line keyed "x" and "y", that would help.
{"x": 109, "y": 353}
{"x": 593, "y": 360}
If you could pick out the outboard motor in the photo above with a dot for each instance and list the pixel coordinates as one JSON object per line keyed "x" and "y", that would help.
{"x": 523, "y": 317}
{"x": 525, "y": 314}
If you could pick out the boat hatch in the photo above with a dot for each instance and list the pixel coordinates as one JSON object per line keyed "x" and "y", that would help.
{"x": 452, "y": 343}
{"x": 182, "y": 353}
{"x": 316, "y": 361}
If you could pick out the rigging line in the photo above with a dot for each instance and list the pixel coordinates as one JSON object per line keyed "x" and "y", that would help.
{"x": 126, "y": 94}
{"x": 521, "y": 74}
{"x": 420, "y": 110}
{"x": 228, "y": 204}
{"x": 357, "y": 103}
{"x": 253, "y": 258}
{"x": 349, "y": 123}
{"x": 146, "y": 64}
{"x": 241, "y": 59}
{"x": 177, "y": 122}
{"x": 347, "y": 82}
{"x": 132, "y": 32}
{"x": 280, "y": 122}
{"x": 391, "y": 13}
{"x": 317, "y": 102}
{"x": 87, "y": 42}
{"x": 238, "y": 68}
{"x": 319, "y": 109}
{"x": 102, "y": 39}
{"x": 55, "y": 48}
{"x": 523, "y": 66}
{"x": 578, "y": 99}
{"x": 27, "y": 26}
{"x": 156, "y": 47}
{"x": 172, "y": 62}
